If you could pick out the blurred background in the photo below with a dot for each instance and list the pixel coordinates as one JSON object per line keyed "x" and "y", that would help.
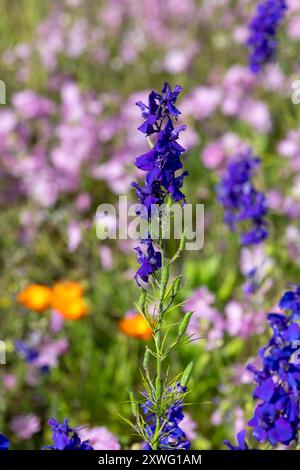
{"x": 73, "y": 71}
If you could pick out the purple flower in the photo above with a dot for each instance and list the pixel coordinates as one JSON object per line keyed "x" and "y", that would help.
{"x": 66, "y": 438}
{"x": 263, "y": 30}
{"x": 243, "y": 204}
{"x": 171, "y": 435}
{"x": 159, "y": 106}
{"x": 4, "y": 442}
{"x": 161, "y": 164}
{"x": 241, "y": 442}
{"x": 291, "y": 301}
{"x": 277, "y": 416}
{"x": 150, "y": 261}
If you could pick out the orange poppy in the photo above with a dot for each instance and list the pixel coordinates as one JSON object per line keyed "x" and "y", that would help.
{"x": 135, "y": 326}
{"x": 67, "y": 299}
{"x": 36, "y": 297}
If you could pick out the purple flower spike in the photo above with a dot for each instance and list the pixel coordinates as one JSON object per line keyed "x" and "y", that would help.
{"x": 244, "y": 205}
{"x": 263, "y": 30}
{"x": 161, "y": 165}
{"x": 276, "y": 417}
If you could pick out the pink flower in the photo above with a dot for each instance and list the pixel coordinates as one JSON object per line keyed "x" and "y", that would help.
{"x": 83, "y": 202}
{"x": 106, "y": 257}
{"x": 189, "y": 427}
{"x": 202, "y": 102}
{"x": 206, "y": 322}
{"x": 242, "y": 323}
{"x": 74, "y": 236}
{"x": 100, "y": 438}
{"x": 256, "y": 113}
{"x": 213, "y": 155}
{"x": 49, "y": 353}
{"x": 10, "y": 381}
{"x": 32, "y": 106}
{"x": 293, "y": 27}
{"x": 25, "y": 425}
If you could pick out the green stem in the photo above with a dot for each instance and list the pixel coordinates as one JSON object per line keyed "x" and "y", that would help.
{"x": 158, "y": 344}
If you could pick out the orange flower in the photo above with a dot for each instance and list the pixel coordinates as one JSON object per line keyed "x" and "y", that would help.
{"x": 135, "y": 325}
{"x": 67, "y": 299}
{"x": 36, "y": 297}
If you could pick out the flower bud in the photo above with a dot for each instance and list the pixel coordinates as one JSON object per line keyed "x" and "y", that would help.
{"x": 184, "y": 324}
{"x": 186, "y": 375}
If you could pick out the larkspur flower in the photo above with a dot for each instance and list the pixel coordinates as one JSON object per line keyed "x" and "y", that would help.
{"x": 150, "y": 261}
{"x": 242, "y": 202}
{"x": 276, "y": 417}
{"x": 171, "y": 434}
{"x": 263, "y": 30}
{"x": 161, "y": 164}
{"x": 66, "y": 438}
{"x": 4, "y": 442}
{"x": 291, "y": 301}
{"x": 241, "y": 442}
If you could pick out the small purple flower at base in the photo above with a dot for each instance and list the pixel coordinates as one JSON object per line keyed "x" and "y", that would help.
{"x": 241, "y": 442}
{"x": 263, "y": 30}
{"x": 4, "y": 442}
{"x": 150, "y": 261}
{"x": 171, "y": 435}
{"x": 66, "y": 438}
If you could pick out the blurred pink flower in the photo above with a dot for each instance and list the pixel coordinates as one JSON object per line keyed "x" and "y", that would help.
{"x": 213, "y": 155}
{"x": 49, "y": 352}
{"x": 100, "y": 438}
{"x": 202, "y": 102}
{"x": 293, "y": 27}
{"x": 106, "y": 257}
{"x": 10, "y": 381}
{"x": 256, "y": 114}
{"x": 56, "y": 322}
{"x": 32, "y": 106}
{"x": 74, "y": 236}
{"x": 189, "y": 427}
{"x": 25, "y": 425}
{"x": 242, "y": 323}
{"x": 83, "y": 202}
{"x": 206, "y": 323}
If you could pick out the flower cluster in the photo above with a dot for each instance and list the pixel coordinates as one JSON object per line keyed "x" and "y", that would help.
{"x": 171, "y": 436}
{"x": 65, "y": 297}
{"x": 241, "y": 201}
{"x": 276, "y": 417}
{"x": 161, "y": 165}
{"x": 263, "y": 29}
{"x": 163, "y": 161}
{"x": 66, "y": 438}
